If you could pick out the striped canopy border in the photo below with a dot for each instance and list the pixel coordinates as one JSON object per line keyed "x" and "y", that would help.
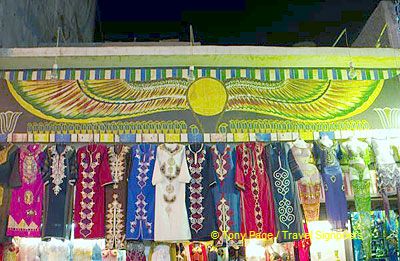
{"x": 146, "y": 74}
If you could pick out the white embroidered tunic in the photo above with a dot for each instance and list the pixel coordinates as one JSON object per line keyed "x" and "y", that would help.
{"x": 170, "y": 177}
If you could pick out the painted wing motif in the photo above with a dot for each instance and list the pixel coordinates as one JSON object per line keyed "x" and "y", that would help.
{"x": 303, "y": 100}
{"x": 99, "y": 100}
{"x": 106, "y": 100}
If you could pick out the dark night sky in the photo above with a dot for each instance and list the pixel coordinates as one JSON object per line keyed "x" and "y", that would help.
{"x": 253, "y": 22}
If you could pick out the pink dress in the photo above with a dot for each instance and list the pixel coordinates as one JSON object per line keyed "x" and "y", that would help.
{"x": 25, "y": 214}
{"x": 257, "y": 205}
{"x": 93, "y": 174}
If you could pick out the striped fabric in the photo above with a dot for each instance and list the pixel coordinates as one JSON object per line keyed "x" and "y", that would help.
{"x": 146, "y": 74}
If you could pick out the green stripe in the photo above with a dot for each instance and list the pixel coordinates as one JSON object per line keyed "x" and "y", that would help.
{"x": 380, "y": 74}
{"x": 368, "y": 74}
{"x": 148, "y": 74}
{"x": 252, "y": 73}
{"x": 267, "y": 75}
{"x": 223, "y": 75}
{"x": 237, "y": 73}
{"x": 282, "y": 74}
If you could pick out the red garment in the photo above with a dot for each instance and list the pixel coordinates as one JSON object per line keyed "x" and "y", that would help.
{"x": 303, "y": 246}
{"x": 197, "y": 252}
{"x": 257, "y": 206}
{"x": 93, "y": 174}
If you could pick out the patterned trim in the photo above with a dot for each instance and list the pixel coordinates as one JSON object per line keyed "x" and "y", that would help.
{"x": 249, "y": 161}
{"x": 144, "y": 158}
{"x": 282, "y": 182}
{"x": 221, "y": 161}
{"x": 222, "y": 73}
{"x": 117, "y": 164}
{"x": 115, "y": 227}
{"x": 87, "y": 203}
{"x": 58, "y": 167}
{"x": 195, "y": 160}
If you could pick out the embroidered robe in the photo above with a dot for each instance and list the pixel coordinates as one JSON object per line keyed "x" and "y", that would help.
{"x": 93, "y": 174}
{"x": 141, "y": 193}
{"x": 25, "y": 215}
{"x": 59, "y": 178}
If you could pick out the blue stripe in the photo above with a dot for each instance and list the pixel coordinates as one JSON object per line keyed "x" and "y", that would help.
{"x": 68, "y": 74}
{"x": 158, "y": 74}
{"x": 262, "y": 73}
{"x": 233, "y": 73}
{"x": 97, "y": 74}
{"x": 218, "y": 74}
{"x": 305, "y": 70}
{"x": 248, "y": 73}
{"x": 277, "y": 75}
{"x": 143, "y": 74}
{"x": 291, "y": 73}
{"x": 203, "y": 72}
{"x": 174, "y": 72}
{"x": 12, "y": 76}
{"x": 376, "y": 74}
{"x": 127, "y": 74}
{"x": 334, "y": 74}
{"x": 112, "y": 73}
{"x": 25, "y": 75}
{"x": 320, "y": 74}
{"x": 82, "y": 74}
{"x": 363, "y": 74}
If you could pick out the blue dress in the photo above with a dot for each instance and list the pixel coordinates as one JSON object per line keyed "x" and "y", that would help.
{"x": 327, "y": 159}
{"x": 226, "y": 194}
{"x": 283, "y": 172}
{"x": 141, "y": 193}
{"x": 199, "y": 192}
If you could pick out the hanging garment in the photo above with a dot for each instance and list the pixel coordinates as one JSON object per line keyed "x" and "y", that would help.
{"x": 96, "y": 253}
{"x": 226, "y": 194}
{"x": 59, "y": 178}
{"x": 82, "y": 252}
{"x": 218, "y": 254}
{"x": 303, "y": 246}
{"x": 283, "y": 173}
{"x": 119, "y": 158}
{"x": 310, "y": 184}
{"x": 135, "y": 251}
{"x": 25, "y": 215}
{"x": 199, "y": 197}
{"x": 161, "y": 252}
{"x": 388, "y": 172}
{"x": 357, "y": 153}
{"x": 93, "y": 175}
{"x": 197, "y": 252}
{"x": 110, "y": 255}
{"x": 141, "y": 193}
{"x": 257, "y": 206}
{"x": 28, "y": 249}
{"x": 331, "y": 173}
{"x": 54, "y": 250}
{"x": 170, "y": 176}
{"x": 9, "y": 179}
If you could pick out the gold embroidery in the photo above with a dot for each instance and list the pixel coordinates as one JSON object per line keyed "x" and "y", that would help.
{"x": 1, "y": 195}
{"x": 28, "y": 197}
{"x": 4, "y": 153}
{"x": 87, "y": 213}
{"x": 117, "y": 164}
{"x": 115, "y": 227}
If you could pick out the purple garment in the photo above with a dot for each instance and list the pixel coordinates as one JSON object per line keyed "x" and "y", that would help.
{"x": 26, "y": 202}
{"x": 331, "y": 173}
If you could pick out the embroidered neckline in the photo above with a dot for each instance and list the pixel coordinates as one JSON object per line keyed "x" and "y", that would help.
{"x": 58, "y": 167}
{"x": 173, "y": 151}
